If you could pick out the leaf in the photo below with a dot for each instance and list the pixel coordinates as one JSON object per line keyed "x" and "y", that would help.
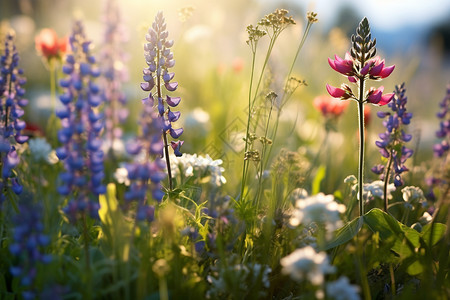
{"x": 438, "y": 232}
{"x": 320, "y": 175}
{"x": 415, "y": 268}
{"x": 405, "y": 239}
{"x": 346, "y": 233}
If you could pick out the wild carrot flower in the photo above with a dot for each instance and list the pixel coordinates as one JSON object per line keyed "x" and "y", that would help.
{"x": 11, "y": 112}
{"x": 114, "y": 73}
{"x": 27, "y": 246}
{"x": 49, "y": 45}
{"x": 81, "y": 127}
{"x": 443, "y": 147}
{"x": 392, "y": 141}
{"x": 320, "y": 209}
{"x": 159, "y": 59}
{"x": 307, "y": 264}
{"x": 341, "y": 289}
{"x": 360, "y": 65}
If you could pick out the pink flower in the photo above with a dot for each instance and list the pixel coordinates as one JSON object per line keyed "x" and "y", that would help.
{"x": 343, "y": 66}
{"x": 335, "y": 92}
{"x": 375, "y": 96}
{"x": 329, "y": 107}
{"x": 377, "y": 69}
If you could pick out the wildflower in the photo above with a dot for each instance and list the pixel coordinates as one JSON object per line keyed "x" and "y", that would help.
{"x": 11, "y": 112}
{"x": 114, "y": 73}
{"x": 27, "y": 247}
{"x": 121, "y": 175}
{"x": 413, "y": 195}
{"x": 40, "y": 150}
{"x": 360, "y": 65}
{"x": 49, "y": 45}
{"x": 307, "y": 264}
{"x": 320, "y": 209}
{"x": 330, "y": 107}
{"x": 159, "y": 59}
{"x": 440, "y": 149}
{"x": 392, "y": 141}
{"x": 81, "y": 127}
{"x": 201, "y": 167}
{"x": 341, "y": 289}
{"x": 375, "y": 189}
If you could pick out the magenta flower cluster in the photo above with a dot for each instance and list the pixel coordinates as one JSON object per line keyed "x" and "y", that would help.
{"x": 81, "y": 127}
{"x": 392, "y": 141}
{"x": 11, "y": 112}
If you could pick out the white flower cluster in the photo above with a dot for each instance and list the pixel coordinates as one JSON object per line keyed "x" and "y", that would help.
{"x": 307, "y": 264}
{"x": 341, "y": 289}
{"x": 372, "y": 190}
{"x": 413, "y": 195}
{"x": 320, "y": 209}
{"x": 41, "y": 151}
{"x": 201, "y": 167}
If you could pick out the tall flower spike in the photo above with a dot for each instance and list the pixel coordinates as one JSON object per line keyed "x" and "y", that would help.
{"x": 114, "y": 73}
{"x": 359, "y": 65}
{"x": 81, "y": 127}
{"x": 393, "y": 139}
{"x": 440, "y": 149}
{"x": 159, "y": 59}
{"x": 11, "y": 112}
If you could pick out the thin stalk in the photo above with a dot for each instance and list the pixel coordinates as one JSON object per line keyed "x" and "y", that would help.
{"x": 86, "y": 244}
{"x": 386, "y": 182}
{"x": 361, "y": 146}
{"x": 52, "y": 84}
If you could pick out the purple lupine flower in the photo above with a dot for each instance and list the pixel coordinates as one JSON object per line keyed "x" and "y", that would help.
{"x": 28, "y": 246}
{"x": 114, "y": 72}
{"x": 391, "y": 145}
{"x": 159, "y": 59}
{"x": 11, "y": 112}
{"x": 443, "y": 147}
{"x": 146, "y": 175}
{"x": 81, "y": 126}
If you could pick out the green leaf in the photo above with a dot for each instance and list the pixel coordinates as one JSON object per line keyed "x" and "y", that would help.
{"x": 405, "y": 239}
{"x": 438, "y": 232}
{"x": 320, "y": 175}
{"x": 415, "y": 268}
{"x": 346, "y": 233}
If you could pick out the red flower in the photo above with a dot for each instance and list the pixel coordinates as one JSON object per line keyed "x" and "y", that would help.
{"x": 329, "y": 107}
{"x": 49, "y": 45}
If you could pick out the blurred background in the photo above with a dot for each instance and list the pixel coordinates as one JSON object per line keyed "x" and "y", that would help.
{"x": 213, "y": 64}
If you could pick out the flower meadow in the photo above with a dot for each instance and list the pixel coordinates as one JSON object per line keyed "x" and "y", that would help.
{"x": 275, "y": 175}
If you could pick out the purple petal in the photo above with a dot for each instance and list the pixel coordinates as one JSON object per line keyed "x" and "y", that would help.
{"x": 173, "y": 101}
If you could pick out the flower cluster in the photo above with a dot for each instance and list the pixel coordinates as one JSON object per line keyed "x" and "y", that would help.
{"x": 306, "y": 264}
{"x": 114, "y": 73}
{"x": 392, "y": 141}
{"x": 375, "y": 190}
{"x": 193, "y": 165}
{"x": 49, "y": 45}
{"x": 413, "y": 196}
{"x": 27, "y": 246}
{"x": 361, "y": 64}
{"x": 320, "y": 209}
{"x": 11, "y": 112}
{"x": 440, "y": 149}
{"x": 329, "y": 107}
{"x": 81, "y": 127}
{"x": 159, "y": 59}
{"x": 145, "y": 175}
{"x": 341, "y": 289}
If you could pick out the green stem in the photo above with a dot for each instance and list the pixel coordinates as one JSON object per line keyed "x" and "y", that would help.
{"x": 361, "y": 147}
{"x": 86, "y": 244}
{"x": 52, "y": 84}
{"x": 386, "y": 182}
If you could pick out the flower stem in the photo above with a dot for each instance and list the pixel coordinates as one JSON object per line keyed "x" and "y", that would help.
{"x": 361, "y": 146}
{"x": 386, "y": 182}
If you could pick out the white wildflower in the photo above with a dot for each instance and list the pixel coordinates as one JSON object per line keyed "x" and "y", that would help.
{"x": 121, "y": 175}
{"x": 321, "y": 209}
{"x": 204, "y": 168}
{"x": 307, "y": 264}
{"x": 351, "y": 179}
{"x": 374, "y": 190}
{"x": 341, "y": 289}
{"x": 425, "y": 218}
{"x": 40, "y": 150}
{"x": 413, "y": 195}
